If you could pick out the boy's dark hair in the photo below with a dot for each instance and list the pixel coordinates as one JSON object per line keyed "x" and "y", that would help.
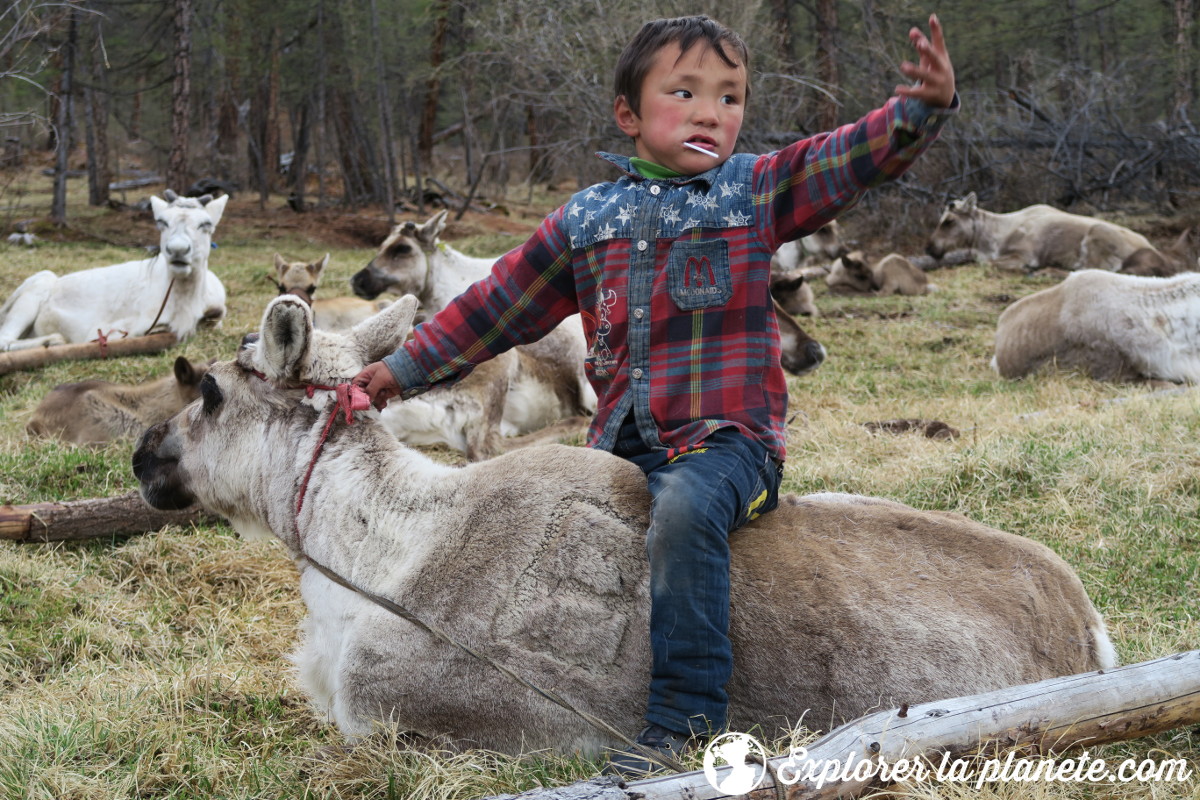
{"x": 638, "y": 56}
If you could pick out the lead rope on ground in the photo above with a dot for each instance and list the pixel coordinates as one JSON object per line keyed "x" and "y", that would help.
{"x": 351, "y": 398}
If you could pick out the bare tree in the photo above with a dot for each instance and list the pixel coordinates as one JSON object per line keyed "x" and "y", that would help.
{"x": 177, "y": 164}
{"x": 1185, "y": 18}
{"x": 64, "y": 123}
{"x": 95, "y": 99}
{"x": 433, "y": 86}
{"x": 827, "y": 63}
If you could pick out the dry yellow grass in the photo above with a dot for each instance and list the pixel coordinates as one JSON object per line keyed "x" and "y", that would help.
{"x": 156, "y": 666}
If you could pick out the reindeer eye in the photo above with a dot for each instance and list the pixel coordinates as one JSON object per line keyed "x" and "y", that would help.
{"x": 400, "y": 249}
{"x": 211, "y": 393}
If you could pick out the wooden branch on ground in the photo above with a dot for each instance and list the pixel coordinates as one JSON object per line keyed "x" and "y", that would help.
{"x": 34, "y": 357}
{"x": 88, "y": 519}
{"x": 1050, "y": 717}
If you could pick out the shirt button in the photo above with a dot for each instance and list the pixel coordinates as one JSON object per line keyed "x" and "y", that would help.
{"x": 638, "y": 313}
{"x": 642, "y": 245}
{"x": 654, "y": 190}
{"x": 637, "y": 373}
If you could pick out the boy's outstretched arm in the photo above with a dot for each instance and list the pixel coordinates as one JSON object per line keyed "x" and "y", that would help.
{"x": 934, "y": 75}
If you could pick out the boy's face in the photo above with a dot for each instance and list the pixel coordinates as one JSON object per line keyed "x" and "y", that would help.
{"x": 697, "y": 98}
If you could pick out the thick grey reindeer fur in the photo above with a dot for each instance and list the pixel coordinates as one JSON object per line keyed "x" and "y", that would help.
{"x": 840, "y": 604}
{"x": 1111, "y": 326}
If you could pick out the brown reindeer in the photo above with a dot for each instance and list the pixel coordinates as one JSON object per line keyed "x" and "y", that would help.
{"x": 1182, "y": 256}
{"x": 892, "y": 274}
{"x": 334, "y": 313}
{"x": 97, "y": 412}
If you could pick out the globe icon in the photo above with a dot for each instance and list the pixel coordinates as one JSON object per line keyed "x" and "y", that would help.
{"x": 735, "y": 750}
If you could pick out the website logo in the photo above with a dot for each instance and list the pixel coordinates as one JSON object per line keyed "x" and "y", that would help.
{"x": 736, "y": 751}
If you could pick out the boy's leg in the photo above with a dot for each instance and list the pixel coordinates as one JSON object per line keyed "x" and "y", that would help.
{"x": 698, "y": 499}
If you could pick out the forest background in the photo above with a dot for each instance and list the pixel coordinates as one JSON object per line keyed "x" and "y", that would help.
{"x": 1084, "y": 104}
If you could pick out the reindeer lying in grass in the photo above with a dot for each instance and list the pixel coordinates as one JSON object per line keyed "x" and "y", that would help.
{"x": 1033, "y": 238}
{"x": 1111, "y": 326}
{"x": 302, "y": 278}
{"x": 97, "y": 412}
{"x": 535, "y": 560}
{"x": 174, "y": 290}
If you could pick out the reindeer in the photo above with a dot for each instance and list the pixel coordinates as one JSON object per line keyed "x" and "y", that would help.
{"x": 1113, "y": 327}
{"x": 795, "y": 264}
{"x": 97, "y": 412}
{"x": 173, "y": 290}
{"x": 1033, "y": 238}
{"x": 534, "y": 560}
{"x": 892, "y": 274}
{"x": 1182, "y": 256}
{"x": 333, "y": 313}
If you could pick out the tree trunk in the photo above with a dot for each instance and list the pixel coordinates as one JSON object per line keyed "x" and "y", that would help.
{"x": 1182, "y": 84}
{"x": 781, "y": 18}
{"x": 385, "y": 118}
{"x": 981, "y": 733}
{"x": 301, "y": 137}
{"x": 433, "y": 87}
{"x": 64, "y": 124}
{"x": 89, "y": 519}
{"x": 827, "y": 64}
{"x": 96, "y": 98}
{"x": 181, "y": 90}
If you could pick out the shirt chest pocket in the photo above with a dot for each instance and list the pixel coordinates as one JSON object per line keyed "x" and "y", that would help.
{"x": 698, "y": 274}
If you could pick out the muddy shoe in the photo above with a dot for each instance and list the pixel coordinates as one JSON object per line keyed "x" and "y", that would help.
{"x": 637, "y": 762}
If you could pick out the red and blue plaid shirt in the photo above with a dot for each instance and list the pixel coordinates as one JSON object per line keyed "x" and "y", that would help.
{"x": 672, "y": 279}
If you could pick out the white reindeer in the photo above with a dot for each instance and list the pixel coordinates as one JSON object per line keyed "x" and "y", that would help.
{"x": 535, "y": 560}
{"x": 174, "y": 290}
{"x": 1113, "y": 327}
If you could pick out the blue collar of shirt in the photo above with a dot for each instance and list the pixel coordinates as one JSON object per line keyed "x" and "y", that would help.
{"x": 622, "y": 163}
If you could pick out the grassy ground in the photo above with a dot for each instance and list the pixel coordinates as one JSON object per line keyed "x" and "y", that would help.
{"x": 156, "y": 666}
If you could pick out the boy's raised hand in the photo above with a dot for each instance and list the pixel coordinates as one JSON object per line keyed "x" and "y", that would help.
{"x": 934, "y": 75}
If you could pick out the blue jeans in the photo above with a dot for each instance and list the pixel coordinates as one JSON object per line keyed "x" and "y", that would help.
{"x": 699, "y": 498}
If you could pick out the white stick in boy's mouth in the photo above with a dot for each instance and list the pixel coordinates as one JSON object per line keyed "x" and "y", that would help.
{"x": 700, "y": 149}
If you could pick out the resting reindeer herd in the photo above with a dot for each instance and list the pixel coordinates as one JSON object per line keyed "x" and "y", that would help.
{"x": 534, "y": 557}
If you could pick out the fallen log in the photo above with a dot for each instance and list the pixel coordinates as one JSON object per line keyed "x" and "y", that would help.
{"x": 41, "y": 356}
{"x": 965, "y": 739}
{"x": 88, "y": 519}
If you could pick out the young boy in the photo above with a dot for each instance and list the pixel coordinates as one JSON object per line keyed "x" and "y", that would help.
{"x": 669, "y": 266}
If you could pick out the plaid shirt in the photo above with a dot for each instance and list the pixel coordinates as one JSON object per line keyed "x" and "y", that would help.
{"x": 672, "y": 279}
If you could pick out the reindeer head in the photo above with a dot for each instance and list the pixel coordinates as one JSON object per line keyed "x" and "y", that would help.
{"x": 298, "y": 277}
{"x": 230, "y": 447}
{"x": 402, "y": 264}
{"x": 956, "y": 228}
{"x": 187, "y": 226}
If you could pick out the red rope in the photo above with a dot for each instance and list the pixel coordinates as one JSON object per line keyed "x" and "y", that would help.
{"x": 102, "y": 339}
{"x": 349, "y": 398}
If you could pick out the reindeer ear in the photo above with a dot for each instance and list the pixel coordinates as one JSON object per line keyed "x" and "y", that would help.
{"x": 317, "y": 267}
{"x": 968, "y": 202}
{"x": 430, "y": 231}
{"x": 280, "y": 265}
{"x": 158, "y": 206}
{"x": 284, "y": 338}
{"x": 381, "y": 334}
{"x": 216, "y": 208}
{"x": 185, "y": 373}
